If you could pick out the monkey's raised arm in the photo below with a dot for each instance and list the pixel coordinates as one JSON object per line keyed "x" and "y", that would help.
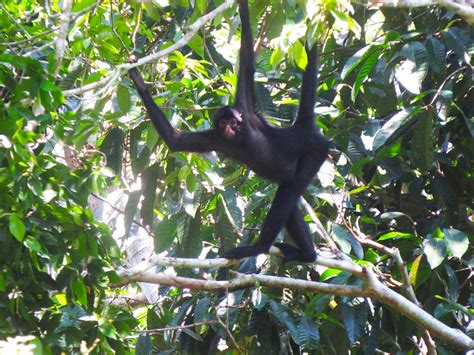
{"x": 308, "y": 88}
{"x": 177, "y": 141}
{"x": 245, "y": 84}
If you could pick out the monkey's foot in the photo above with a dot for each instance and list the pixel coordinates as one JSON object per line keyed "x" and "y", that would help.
{"x": 292, "y": 253}
{"x": 244, "y": 252}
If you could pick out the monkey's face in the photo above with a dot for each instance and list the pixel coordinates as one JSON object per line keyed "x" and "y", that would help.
{"x": 229, "y": 127}
{"x": 229, "y": 122}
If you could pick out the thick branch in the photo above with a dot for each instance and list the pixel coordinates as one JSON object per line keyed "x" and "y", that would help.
{"x": 156, "y": 260}
{"x": 382, "y": 293}
{"x": 372, "y": 287}
{"x": 245, "y": 281}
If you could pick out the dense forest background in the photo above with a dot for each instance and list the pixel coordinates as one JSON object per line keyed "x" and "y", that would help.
{"x": 88, "y": 189}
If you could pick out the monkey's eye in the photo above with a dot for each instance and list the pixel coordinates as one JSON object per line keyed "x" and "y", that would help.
{"x": 222, "y": 123}
{"x": 233, "y": 122}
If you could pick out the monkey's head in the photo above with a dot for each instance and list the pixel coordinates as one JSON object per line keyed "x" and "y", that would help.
{"x": 229, "y": 122}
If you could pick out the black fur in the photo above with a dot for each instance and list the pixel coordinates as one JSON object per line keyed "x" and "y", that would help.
{"x": 289, "y": 156}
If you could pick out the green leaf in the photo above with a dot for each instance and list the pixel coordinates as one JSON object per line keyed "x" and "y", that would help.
{"x": 191, "y": 182}
{"x": 394, "y": 127}
{"x": 398, "y": 235}
{"x": 355, "y": 60}
{"x": 422, "y": 140}
{"x": 276, "y": 57}
{"x": 347, "y": 241}
{"x": 342, "y": 238}
{"x": 364, "y": 72}
{"x": 201, "y": 311}
{"x": 457, "y": 241}
{"x": 34, "y": 245}
{"x": 197, "y": 44}
{"x": 435, "y": 251}
{"x": 131, "y": 209}
{"x": 412, "y": 71}
{"x": 457, "y": 39}
{"x": 80, "y": 291}
{"x": 16, "y": 227}
{"x": 123, "y": 99}
{"x": 144, "y": 345}
{"x": 308, "y": 334}
{"x": 436, "y": 54}
{"x": 282, "y": 314}
{"x": 201, "y": 6}
{"x": 355, "y": 320}
{"x": 232, "y": 209}
{"x": 165, "y": 232}
{"x": 299, "y": 55}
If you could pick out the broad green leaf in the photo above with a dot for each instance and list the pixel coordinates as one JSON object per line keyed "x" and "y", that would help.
{"x": 277, "y": 56}
{"x": 144, "y": 345}
{"x": 197, "y": 44}
{"x": 413, "y": 70}
{"x": 165, "y": 233}
{"x": 308, "y": 334}
{"x": 232, "y": 209}
{"x": 191, "y": 182}
{"x": 422, "y": 140}
{"x": 299, "y": 55}
{"x": 201, "y": 311}
{"x": 355, "y": 320}
{"x": 456, "y": 241}
{"x": 123, "y": 99}
{"x": 365, "y": 70}
{"x": 458, "y": 39}
{"x": 394, "y": 127}
{"x": 34, "y": 245}
{"x": 355, "y": 60}
{"x": 80, "y": 291}
{"x": 342, "y": 238}
{"x": 435, "y": 251}
{"x": 131, "y": 209}
{"x": 201, "y": 6}
{"x": 283, "y": 315}
{"x": 16, "y": 227}
{"x": 436, "y": 54}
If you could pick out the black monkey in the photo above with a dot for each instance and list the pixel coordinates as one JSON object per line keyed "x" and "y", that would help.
{"x": 289, "y": 156}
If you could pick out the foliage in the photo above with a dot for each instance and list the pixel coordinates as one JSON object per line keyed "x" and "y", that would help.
{"x": 395, "y": 99}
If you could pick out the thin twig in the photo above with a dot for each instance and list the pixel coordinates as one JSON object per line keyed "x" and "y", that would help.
{"x": 123, "y": 213}
{"x": 112, "y": 26}
{"x": 178, "y": 327}
{"x": 214, "y": 64}
{"x": 228, "y": 332}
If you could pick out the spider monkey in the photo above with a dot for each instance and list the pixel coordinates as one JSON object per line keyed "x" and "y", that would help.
{"x": 289, "y": 156}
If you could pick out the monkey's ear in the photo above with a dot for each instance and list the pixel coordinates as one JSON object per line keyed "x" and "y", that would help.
{"x": 236, "y": 114}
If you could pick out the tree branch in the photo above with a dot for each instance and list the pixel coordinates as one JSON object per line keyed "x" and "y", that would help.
{"x": 371, "y": 287}
{"x": 191, "y": 31}
{"x": 463, "y": 8}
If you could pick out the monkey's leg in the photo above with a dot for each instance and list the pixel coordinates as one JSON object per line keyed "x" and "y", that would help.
{"x": 299, "y": 232}
{"x": 284, "y": 202}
